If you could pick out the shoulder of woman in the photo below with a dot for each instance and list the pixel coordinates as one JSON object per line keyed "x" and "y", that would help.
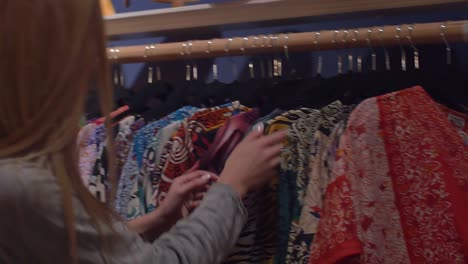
{"x": 27, "y": 182}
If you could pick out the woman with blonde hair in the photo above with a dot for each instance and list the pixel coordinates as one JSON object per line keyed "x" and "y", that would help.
{"x": 52, "y": 50}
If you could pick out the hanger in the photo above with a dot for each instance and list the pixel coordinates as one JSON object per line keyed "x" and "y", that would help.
{"x": 214, "y": 66}
{"x": 448, "y": 49}
{"x": 251, "y": 64}
{"x": 373, "y": 53}
{"x": 319, "y": 67}
{"x": 386, "y": 54}
{"x": 409, "y": 37}
{"x": 115, "y": 72}
{"x": 339, "y": 59}
{"x": 446, "y": 84}
{"x": 233, "y": 64}
{"x": 359, "y": 56}
{"x": 150, "y": 68}
{"x": 193, "y": 63}
{"x": 214, "y": 93}
{"x": 277, "y": 61}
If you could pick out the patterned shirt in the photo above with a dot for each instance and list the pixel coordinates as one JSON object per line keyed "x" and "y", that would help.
{"x": 99, "y": 184}
{"x": 127, "y": 200}
{"x": 292, "y": 162}
{"x": 90, "y": 155}
{"x": 400, "y": 186}
{"x": 86, "y": 157}
{"x": 123, "y": 141}
{"x": 191, "y": 141}
{"x": 312, "y": 148}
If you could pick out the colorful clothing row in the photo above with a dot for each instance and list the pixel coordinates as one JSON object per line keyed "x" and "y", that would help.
{"x": 385, "y": 181}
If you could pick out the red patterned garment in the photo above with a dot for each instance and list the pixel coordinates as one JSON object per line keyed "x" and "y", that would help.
{"x": 191, "y": 142}
{"x": 400, "y": 185}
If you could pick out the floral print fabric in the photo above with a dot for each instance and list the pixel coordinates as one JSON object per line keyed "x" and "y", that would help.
{"x": 399, "y": 192}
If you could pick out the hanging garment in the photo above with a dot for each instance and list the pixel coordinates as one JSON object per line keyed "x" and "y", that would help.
{"x": 226, "y": 139}
{"x": 123, "y": 141}
{"x": 83, "y": 138}
{"x": 151, "y": 162}
{"x": 191, "y": 141}
{"x": 99, "y": 184}
{"x": 400, "y": 188}
{"x": 263, "y": 208}
{"x": 292, "y": 165}
{"x": 312, "y": 175}
{"x": 89, "y": 155}
{"x": 127, "y": 187}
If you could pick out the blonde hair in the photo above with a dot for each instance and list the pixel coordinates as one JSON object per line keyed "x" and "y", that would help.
{"x": 51, "y": 50}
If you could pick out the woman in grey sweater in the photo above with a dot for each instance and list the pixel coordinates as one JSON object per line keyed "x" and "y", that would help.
{"x": 52, "y": 50}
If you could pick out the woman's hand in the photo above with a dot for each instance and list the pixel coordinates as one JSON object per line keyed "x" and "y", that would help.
{"x": 185, "y": 194}
{"x": 254, "y": 162}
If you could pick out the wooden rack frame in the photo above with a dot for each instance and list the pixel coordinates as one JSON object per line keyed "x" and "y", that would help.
{"x": 240, "y": 13}
{"x": 416, "y": 34}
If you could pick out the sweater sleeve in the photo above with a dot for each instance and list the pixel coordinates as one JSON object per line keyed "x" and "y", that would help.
{"x": 33, "y": 229}
{"x": 206, "y": 236}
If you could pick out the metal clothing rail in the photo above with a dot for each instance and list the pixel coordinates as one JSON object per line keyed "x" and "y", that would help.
{"x": 408, "y": 34}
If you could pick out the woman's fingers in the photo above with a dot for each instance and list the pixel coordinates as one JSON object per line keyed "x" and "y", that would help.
{"x": 192, "y": 176}
{"x": 273, "y": 139}
{"x": 273, "y": 151}
{"x": 257, "y": 132}
{"x": 199, "y": 196}
{"x": 196, "y": 183}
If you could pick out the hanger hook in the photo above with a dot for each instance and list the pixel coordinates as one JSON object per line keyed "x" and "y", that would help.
{"x": 319, "y": 58}
{"x": 271, "y": 39}
{"x": 208, "y": 48}
{"x": 345, "y": 46}
{"x": 254, "y": 44}
{"x": 150, "y": 68}
{"x": 182, "y": 50}
{"x": 189, "y": 49}
{"x": 359, "y": 57}
{"x": 448, "y": 49}
{"x": 402, "y": 50}
{"x": 214, "y": 66}
{"x": 409, "y": 37}
{"x": 114, "y": 53}
{"x": 243, "y": 47}
{"x": 228, "y": 46}
{"x": 188, "y": 68}
{"x": 264, "y": 41}
{"x": 285, "y": 46}
{"x": 371, "y": 48}
{"x": 339, "y": 59}
{"x": 227, "y": 50}
{"x": 316, "y": 41}
{"x": 335, "y": 37}
{"x": 145, "y": 54}
{"x": 344, "y": 39}
{"x": 386, "y": 55}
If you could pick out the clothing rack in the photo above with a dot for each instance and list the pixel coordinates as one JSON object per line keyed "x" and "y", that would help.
{"x": 371, "y": 37}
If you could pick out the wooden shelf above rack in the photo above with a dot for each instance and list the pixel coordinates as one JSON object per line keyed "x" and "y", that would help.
{"x": 257, "y": 11}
